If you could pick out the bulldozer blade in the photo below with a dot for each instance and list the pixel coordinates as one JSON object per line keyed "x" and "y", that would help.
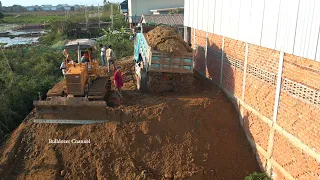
{"x": 64, "y": 110}
{"x": 67, "y": 121}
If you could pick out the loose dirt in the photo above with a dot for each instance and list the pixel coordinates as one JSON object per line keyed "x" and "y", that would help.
{"x": 167, "y": 39}
{"x": 57, "y": 89}
{"x": 195, "y": 134}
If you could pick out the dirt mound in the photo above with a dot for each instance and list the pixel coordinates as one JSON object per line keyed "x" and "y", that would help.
{"x": 166, "y": 39}
{"x": 58, "y": 88}
{"x": 194, "y": 135}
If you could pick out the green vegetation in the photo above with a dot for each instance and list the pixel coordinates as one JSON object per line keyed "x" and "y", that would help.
{"x": 24, "y": 72}
{"x": 120, "y": 43}
{"x": 1, "y": 15}
{"x": 257, "y": 176}
{"x": 176, "y": 11}
{"x": 20, "y": 19}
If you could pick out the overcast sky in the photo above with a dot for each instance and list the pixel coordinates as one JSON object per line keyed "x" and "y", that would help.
{"x": 53, "y": 2}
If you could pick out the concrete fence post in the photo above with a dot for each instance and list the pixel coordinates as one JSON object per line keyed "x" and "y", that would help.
{"x": 275, "y": 114}
{"x": 206, "y": 55}
{"x": 222, "y": 57}
{"x": 244, "y": 80}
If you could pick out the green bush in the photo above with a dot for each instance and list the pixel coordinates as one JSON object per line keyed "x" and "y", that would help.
{"x": 257, "y": 176}
{"x": 1, "y": 15}
{"x": 120, "y": 43}
{"x": 25, "y": 71}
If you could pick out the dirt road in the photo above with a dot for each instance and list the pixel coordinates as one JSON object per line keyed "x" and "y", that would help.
{"x": 193, "y": 134}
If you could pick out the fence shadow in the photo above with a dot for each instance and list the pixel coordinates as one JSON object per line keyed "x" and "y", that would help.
{"x": 221, "y": 71}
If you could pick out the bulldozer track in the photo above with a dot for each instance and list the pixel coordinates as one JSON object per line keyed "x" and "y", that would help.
{"x": 99, "y": 86}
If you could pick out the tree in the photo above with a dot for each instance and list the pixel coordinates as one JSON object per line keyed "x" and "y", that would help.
{"x": 1, "y": 15}
{"x": 176, "y": 11}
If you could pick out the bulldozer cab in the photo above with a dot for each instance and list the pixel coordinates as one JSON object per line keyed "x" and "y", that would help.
{"x": 84, "y": 49}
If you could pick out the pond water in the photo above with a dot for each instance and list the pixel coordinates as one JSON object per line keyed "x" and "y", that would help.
{"x": 7, "y": 30}
{"x": 18, "y": 40}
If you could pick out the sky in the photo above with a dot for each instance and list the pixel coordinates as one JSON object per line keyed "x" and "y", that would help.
{"x": 53, "y": 2}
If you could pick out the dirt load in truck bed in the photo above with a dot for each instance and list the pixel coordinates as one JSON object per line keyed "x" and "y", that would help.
{"x": 166, "y": 39}
{"x": 195, "y": 134}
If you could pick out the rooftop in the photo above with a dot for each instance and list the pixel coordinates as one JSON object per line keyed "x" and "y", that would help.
{"x": 165, "y": 9}
{"x": 170, "y": 19}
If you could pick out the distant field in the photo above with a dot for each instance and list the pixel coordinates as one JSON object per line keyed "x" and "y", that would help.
{"x": 30, "y": 19}
{"x": 39, "y": 17}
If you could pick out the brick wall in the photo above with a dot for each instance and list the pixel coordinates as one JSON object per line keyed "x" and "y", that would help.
{"x": 286, "y": 139}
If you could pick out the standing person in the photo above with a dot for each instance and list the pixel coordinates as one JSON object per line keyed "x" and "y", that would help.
{"x": 63, "y": 68}
{"x": 110, "y": 58}
{"x": 103, "y": 55}
{"x": 118, "y": 81}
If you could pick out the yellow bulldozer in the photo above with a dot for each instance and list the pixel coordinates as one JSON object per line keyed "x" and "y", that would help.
{"x": 79, "y": 98}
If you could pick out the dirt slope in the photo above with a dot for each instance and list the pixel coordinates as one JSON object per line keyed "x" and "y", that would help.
{"x": 190, "y": 135}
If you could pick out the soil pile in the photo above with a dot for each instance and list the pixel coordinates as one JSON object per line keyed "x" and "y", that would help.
{"x": 166, "y": 39}
{"x": 58, "y": 88}
{"x": 192, "y": 135}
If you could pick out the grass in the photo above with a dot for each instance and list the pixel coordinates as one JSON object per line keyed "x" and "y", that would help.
{"x": 40, "y": 17}
{"x": 31, "y": 19}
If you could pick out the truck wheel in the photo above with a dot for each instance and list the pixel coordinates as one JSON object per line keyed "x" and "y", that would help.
{"x": 142, "y": 80}
{"x": 138, "y": 81}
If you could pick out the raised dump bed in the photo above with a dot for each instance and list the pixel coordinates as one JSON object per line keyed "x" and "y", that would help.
{"x": 158, "y": 71}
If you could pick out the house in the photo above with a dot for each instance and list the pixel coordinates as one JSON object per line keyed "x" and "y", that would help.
{"x": 37, "y": 8}
{"x": 30, "y": 8}
{"x": 124, "y": 7}
{"x": 53, "y": 8}
{"x": 46, "y": 7}
{"x": 265, "y": 56}
{"x": 138, "y": 7}
{"x": 63, "y": 7}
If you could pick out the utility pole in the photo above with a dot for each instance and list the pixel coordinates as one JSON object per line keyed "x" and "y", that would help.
{"x": 111, "y": 14}
{"x": 99, "y": 14}
{"x": 86, "y": 18}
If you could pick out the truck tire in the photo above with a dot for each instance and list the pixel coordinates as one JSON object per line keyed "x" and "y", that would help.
{"x": 160, "y": 82}
{"x": 183, "y": 82}
{"x": 142, "y": 79}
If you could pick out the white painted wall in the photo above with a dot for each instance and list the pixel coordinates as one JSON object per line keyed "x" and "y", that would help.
{"x": 139, "y": 7}
{"x": 290, "y": 26}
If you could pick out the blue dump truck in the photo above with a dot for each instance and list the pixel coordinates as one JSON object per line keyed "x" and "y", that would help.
{"x": 157, "y": 71}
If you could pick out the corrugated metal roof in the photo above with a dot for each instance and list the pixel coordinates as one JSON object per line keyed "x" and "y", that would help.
{"x": 170, "y": 19}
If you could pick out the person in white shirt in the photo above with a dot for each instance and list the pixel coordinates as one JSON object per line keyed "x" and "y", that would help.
{"x": 103, "y": 55}
{"x": 63, "y": 68}
{"x": 110, "y": 58}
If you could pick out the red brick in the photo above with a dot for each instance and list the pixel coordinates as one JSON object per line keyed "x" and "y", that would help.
{"x": 296, "y": 162}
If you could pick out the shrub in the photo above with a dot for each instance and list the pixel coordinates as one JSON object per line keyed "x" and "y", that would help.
{"x": 1, "y": 15}
{"x": 257, "y": 176}
{"x": 120, "y": 43}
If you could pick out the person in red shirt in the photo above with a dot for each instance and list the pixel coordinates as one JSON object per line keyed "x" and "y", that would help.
{"x": 118, "y": 81}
